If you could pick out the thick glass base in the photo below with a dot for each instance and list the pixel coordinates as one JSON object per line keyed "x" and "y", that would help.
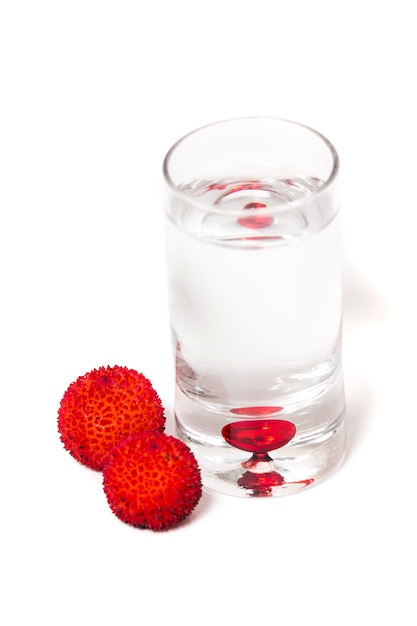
{"x": 299, "y": 464}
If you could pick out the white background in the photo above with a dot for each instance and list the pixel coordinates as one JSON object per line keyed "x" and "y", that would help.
{"x": 93, "y": 93}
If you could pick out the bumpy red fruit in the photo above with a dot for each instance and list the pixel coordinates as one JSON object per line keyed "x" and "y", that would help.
{"x": 104, "y": 406}
{"x": 152, "y": 481}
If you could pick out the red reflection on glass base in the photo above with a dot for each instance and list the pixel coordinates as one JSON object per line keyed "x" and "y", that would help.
{"x": 256, "y": 410}
{"x": 260, "y": 484}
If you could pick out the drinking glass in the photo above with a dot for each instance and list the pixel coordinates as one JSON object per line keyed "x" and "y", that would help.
{"x": 255, "y": 299}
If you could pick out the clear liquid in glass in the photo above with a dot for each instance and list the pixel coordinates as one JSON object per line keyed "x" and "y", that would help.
{"x": 256, "y": 311}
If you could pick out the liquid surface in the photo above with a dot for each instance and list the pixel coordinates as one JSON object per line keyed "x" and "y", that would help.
{"x": 240, "y": 212}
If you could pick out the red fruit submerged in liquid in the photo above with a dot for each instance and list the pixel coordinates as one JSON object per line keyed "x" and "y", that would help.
{"x": 253, "y": 220}
{"x": 259, "y": 436}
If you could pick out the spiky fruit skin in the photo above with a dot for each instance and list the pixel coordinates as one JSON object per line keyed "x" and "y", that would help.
{"x": 152, "y": 481}
{"x": 104, "y": 406}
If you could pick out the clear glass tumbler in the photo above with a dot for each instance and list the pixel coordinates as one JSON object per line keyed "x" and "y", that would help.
{"x": 255, "y": 295}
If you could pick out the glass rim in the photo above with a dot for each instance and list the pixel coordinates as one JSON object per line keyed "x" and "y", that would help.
{"x": 273, "y": 208}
